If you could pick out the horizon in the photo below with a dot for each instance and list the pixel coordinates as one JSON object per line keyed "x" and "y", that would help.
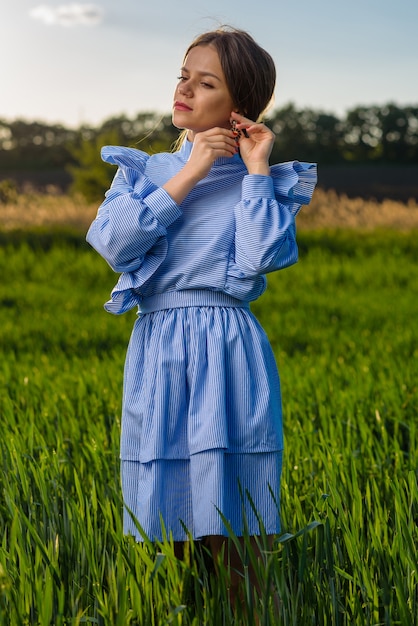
{"x": 161, "y": 114}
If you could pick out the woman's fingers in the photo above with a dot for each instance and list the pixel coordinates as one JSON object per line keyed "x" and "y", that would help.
{"x": 250, "y": 129}
{"x": 217, "y": 139}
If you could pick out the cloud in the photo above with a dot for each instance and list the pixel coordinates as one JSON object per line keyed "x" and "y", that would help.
{"x": 68, "y": 14}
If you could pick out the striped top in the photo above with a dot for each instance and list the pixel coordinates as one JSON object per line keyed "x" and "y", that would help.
{"x": 230, "y": 231}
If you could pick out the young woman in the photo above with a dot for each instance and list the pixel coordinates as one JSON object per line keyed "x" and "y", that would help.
{"x": 193, "y": 234}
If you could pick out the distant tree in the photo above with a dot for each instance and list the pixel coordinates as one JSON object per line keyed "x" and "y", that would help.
{"x": 306, "y": 134}
{"x": 382, "y": 134}
{"x": 326, "y": 136}
{"x": 34, "y": 145}
{"x": 362, "y": 135}
{"x": 91, "y": 176}
{"x": 399, "y": 129}
{"x": 291, "y": 139}
{"x": 411, "y": 136}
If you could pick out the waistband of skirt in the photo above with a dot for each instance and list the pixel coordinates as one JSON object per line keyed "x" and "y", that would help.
{"x": 188, "y": 298}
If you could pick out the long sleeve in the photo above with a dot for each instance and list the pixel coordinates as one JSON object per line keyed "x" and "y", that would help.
{"x": 132, "y": 222}
{"x": 265, "y": 231}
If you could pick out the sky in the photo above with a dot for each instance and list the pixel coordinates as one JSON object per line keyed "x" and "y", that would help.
{"x": 76, "y": 63}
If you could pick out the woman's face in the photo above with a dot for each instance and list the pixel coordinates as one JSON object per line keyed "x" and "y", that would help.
{"x": 202, "y": 99}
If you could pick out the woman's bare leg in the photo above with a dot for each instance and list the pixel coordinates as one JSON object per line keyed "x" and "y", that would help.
{"x": 179, "y": 550}
{"x": 233, "y": 562}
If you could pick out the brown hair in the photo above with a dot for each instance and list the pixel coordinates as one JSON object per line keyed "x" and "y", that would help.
{"x": 248, "y": 69}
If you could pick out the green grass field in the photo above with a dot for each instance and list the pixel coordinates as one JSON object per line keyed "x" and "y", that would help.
{"x": 344, "y": 327}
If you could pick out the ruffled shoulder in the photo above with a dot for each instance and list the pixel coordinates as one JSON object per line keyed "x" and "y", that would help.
{"x": 294, "y": 183}
{"x": 125, "y": 157}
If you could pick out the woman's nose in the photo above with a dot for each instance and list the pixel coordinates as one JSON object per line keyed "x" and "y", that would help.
{"x": 185, "y": 88}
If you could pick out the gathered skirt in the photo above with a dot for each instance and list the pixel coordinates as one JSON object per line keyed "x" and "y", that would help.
{"x": 201, "y": 442}
{"x": 209, "y": 494}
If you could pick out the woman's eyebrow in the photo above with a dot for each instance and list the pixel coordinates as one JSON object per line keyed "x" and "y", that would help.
{"x": 201, "y": 73}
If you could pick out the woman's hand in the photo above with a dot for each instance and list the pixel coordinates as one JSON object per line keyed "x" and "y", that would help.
{"x": 208, "y": 146}
{"x": 255, "y": 144}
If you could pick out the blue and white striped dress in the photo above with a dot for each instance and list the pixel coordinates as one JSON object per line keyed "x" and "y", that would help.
{"x": 202, "y": 439}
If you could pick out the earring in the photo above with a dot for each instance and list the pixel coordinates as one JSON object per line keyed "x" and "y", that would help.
{"x": 238, "y": 132}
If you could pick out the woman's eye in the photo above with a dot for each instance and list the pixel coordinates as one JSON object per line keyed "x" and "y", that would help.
{"x": 203, "y": 83}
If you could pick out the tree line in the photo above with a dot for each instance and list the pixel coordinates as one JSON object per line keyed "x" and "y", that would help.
{"x": 366, "y": 134}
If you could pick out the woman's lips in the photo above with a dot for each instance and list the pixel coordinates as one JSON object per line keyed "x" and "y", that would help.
{"x": 180, "y": 106}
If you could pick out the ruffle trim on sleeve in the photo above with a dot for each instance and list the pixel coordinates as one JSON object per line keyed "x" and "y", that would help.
{"x": 294, "y": 183}
{"x": 124, "y": 297}
{"x": 126, "y": 293}
{"x": 125, "y": 157}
